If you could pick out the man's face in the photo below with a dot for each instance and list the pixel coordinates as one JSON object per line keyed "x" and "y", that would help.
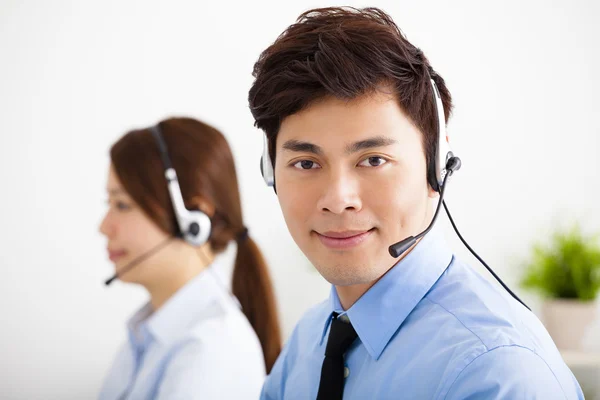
{"x": 351, "y": 181}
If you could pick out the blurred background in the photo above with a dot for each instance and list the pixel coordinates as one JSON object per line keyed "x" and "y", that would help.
{"x": 76, "y": 75}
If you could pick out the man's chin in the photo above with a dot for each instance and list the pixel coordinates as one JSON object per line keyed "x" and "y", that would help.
{"x": 347, "y": 276}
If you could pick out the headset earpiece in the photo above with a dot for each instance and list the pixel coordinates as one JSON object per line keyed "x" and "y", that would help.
{"x": 266, "y": 165}
{"x": 443, "y": 152}
{"x": 194, "y": 226}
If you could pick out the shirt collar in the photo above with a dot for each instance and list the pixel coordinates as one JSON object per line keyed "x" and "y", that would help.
{"x": 378, "y": 314}
{"x": 195, "y": 300}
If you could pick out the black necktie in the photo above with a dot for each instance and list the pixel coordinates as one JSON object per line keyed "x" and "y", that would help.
{"x": 341, "y": 336}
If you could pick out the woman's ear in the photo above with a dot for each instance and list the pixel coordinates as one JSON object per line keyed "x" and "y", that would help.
{"x": 200, "y": 203}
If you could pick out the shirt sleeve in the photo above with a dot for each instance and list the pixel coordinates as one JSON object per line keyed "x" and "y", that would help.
{"x": 200, "y": 371}
{"x": 508, "y": 372}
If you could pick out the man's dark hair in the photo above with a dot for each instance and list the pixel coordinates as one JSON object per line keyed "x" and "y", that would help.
{"x": 345, "y": 53}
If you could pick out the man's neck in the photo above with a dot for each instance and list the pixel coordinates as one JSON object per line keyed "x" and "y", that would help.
{"x": 349, "y": 295}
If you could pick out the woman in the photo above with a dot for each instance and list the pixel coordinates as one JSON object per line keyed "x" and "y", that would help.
{"x": 194, "y": 339}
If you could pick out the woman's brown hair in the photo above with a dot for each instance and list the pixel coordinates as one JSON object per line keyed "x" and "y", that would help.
{"x": 205, "y": 169}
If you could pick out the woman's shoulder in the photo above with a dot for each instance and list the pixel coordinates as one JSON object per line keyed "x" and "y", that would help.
{"x": 210, "y": 354}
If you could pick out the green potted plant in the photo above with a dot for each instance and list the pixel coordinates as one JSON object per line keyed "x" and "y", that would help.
{"x": 567, "y": 273}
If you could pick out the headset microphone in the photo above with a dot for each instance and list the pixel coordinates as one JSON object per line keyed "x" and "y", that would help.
{"x": 136, "y": 261}
{"x": 446, "y": 164}
{"x": 397, "y": 249}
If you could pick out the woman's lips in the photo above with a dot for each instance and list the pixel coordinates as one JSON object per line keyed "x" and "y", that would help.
{"x": 343, "y": 239}
{"x": 114, "y": 255}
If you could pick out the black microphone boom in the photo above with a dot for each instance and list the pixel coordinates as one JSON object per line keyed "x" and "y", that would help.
{"x": 397, "y": 249}
{"x": 137, "y": 260}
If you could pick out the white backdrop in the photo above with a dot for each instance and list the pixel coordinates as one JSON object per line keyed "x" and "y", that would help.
{"x": 76, "y": 75}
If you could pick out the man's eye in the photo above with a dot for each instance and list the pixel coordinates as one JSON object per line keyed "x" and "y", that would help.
{"x": 372, "y": 162}
{"x": 306, "y": 164}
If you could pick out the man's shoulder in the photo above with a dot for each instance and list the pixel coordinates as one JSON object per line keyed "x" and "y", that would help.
{"x": 482, "y": 309}
{"x": 518, "y": 371}
{"x": 481, "y": 325}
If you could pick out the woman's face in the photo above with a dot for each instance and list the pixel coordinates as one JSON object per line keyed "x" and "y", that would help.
{"x": 130, "y": 233}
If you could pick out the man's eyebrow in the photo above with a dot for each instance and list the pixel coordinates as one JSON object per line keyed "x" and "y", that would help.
{"x": 304, "y": 147}
{"x": 377, "y": 141}
{"x": 307, "y": 147}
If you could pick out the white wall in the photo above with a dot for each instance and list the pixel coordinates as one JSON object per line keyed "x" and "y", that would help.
{"x": 74, "y": 76}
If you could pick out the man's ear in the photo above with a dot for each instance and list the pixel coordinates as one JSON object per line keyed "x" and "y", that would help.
{"x": 202, "y": 204}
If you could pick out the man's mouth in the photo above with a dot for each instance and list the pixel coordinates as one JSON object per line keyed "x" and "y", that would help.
{"x": 346, "y": 239}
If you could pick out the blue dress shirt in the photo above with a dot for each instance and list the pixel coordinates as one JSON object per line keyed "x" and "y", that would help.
{"x": 193, "y": 347}
{"x": 431, "y": 328}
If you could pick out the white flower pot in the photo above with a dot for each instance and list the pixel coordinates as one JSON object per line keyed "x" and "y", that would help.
{"x": 567, "y": 321}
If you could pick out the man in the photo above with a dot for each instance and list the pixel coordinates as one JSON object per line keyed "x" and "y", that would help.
{"x": 347, "y": 107}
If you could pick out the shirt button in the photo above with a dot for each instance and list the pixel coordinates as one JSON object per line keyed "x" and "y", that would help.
{"x": 346, "y": 372}
{"x": 345, "y": 318}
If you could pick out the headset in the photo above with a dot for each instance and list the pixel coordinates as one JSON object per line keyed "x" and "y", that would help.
{"x": 266, "y": 165}
{"x": 446, "y": 164}
{"x": 193, "y": 226}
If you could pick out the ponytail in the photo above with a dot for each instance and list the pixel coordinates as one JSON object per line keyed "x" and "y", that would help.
{"x": 252, "y": 287}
